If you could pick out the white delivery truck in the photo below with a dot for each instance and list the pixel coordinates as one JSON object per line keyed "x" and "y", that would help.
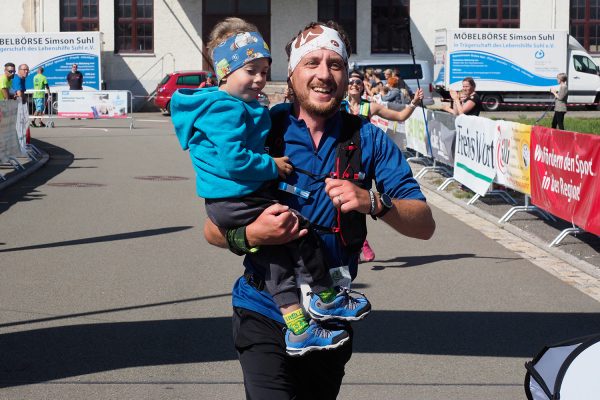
{"x": 514, "y": 65}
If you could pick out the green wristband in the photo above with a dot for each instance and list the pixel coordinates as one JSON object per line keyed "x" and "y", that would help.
{"x": 236, "y": 240}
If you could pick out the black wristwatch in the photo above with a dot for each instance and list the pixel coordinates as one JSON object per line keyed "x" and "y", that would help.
{"x": 386, "y": 202}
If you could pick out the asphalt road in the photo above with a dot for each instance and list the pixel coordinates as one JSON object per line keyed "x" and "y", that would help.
{"x": 108, "y": 290}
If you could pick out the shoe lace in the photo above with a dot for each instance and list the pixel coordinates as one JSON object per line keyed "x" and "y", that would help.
{"x": 322, "y": 332}
{"x": 350, "y": 301}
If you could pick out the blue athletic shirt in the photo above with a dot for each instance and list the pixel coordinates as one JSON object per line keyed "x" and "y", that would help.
{"x": 382, "y": 161}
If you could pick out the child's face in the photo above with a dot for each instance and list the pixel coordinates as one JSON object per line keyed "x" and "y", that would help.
{"x": 247, "y": 82}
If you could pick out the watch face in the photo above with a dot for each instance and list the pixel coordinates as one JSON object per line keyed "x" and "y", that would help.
{"x": 386, "y": 200}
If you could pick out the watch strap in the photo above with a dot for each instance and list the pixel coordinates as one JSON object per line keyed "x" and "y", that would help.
{"x": 373, "y": 204}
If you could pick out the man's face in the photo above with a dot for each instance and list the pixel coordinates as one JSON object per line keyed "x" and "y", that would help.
{"x": 74, "y": 68}
{"x": 10, "y": 72}
{"x": 23, "y": 71}
{"x": 319, "y": 82}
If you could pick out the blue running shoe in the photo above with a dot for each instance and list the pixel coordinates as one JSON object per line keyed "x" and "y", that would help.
{"x": 344, "y": 307}
{"x": 314, "y": 338}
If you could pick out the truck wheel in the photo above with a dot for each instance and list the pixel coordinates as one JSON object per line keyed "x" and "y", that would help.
{"x": 491, "y": 102}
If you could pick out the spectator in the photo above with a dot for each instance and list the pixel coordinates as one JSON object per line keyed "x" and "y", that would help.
{"x": 6, "y": 80}
{"x": 41, "y": 88}
{"x": 467, "y": 102}
{"x": 22, "y": 124}
{"x": 356, "y": 105}
{"x": 560, "y": 103}
{"x": 210, "y": 81}
{"x": 75, "y": 78}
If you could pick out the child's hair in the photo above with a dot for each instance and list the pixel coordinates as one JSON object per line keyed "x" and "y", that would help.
{"x": 562, "y": 77}
{"x": 225, "y": 29}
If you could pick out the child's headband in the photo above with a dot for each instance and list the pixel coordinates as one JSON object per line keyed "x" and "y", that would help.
{"x": 236, "y": 51}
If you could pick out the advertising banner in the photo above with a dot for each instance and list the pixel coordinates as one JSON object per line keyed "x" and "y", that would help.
{"x": 56, "y": 52}
{"x": 9, "y": 145}
{"x": 564, "y": 176}
{"x": 515, "y": 59}
{"x": 394, "y": 129}
{"x": 512, "y": 155}
{"x": 442, "y": 131}
{"x": 416, "y": 134}
{"x": 100, "y": 104}
{"x": 474, "y": 158}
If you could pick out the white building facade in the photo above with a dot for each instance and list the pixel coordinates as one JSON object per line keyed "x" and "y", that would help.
{"x": 145, "y": 39}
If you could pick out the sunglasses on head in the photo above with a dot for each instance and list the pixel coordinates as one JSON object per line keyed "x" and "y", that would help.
{"x": 355, "y": 82}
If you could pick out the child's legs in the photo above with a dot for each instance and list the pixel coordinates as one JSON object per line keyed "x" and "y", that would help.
{"x": 235, "y": 212}
{"x": 313, "y": 265}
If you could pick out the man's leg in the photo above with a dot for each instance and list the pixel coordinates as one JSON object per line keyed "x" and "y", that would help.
{"x": 269, "y": 373}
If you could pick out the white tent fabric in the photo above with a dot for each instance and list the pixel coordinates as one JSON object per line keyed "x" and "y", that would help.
{"x": 568, "y": 370}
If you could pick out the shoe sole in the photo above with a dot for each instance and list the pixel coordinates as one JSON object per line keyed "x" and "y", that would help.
{"x": 320, "y": 317}
{"x": 300, "y": 352}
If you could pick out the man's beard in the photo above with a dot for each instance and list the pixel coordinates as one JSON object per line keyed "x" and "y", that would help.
{"x": 321, "y": 109}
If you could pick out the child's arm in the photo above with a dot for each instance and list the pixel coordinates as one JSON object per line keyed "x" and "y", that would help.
{"x": 284, "y": 167}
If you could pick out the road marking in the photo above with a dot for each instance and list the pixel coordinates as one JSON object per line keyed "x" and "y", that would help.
{"x": 530, "y": 252}
{"x": 102, "y": 129}
{"x": 151, "y": 120}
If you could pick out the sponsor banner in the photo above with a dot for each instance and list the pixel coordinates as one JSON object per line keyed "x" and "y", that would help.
{"x": 101, "y": 104}
{"x": 416, "y": 134}
{"x": 56, "y": 52}
{"x": 515, "y": 59}
{"x": 474, "y": 158}
{"x": 9, "y": 145}
{"x": 442, "y": 131}
{"x": 512, "y": 155}
{"x": 395, "y": 130}
{"x": 564, "y": 176}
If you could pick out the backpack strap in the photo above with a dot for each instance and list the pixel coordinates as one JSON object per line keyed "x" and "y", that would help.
{"x": 351, "y": 227}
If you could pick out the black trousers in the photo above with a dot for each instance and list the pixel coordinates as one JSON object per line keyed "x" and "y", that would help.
{"x": 558, "y": 121}
{"x": 270, "y": 374}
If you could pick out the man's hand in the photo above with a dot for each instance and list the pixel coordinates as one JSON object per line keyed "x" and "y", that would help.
{"x": 276, "y": 225}
{"x": 346, "y": 196}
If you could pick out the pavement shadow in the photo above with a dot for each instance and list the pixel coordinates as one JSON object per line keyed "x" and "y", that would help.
{"x": 53, "y": 353}
{"x": 415, "y": 261}
{"x": 469, "y": 333}
{"x": 60, "y": 160}
{"x": 99, "y": 239}
{"x": 66, "y": 351}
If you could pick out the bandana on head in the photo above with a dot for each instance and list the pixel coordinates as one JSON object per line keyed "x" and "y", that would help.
{"x": 238, "y": 50}
{"x": 315, "y": 38}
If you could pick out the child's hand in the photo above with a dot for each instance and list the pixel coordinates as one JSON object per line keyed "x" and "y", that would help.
{"x": 283, "y": 166}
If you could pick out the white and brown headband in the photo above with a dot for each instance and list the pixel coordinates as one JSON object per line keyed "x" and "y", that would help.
{"x": 316, "y": 38}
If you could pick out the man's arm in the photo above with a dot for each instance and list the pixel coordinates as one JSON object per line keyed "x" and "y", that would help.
{"x": 409, "y": 217}
{"x": 276, "y": 225}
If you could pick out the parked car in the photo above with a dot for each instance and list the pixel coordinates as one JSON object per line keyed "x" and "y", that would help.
{"x": 408, "y": 71}
{"x": 173, "y": 81}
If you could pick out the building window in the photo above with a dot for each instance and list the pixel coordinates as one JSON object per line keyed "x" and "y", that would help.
{"x": 344, "y": 13}
{"x": 79, "y": 15}
{"x": 257, "y": 12}
{"x": 585, "y": 23}
{"x": 490, "y": 13}
{"x": 390, "y": 26}
{"x": 134, "y": 26}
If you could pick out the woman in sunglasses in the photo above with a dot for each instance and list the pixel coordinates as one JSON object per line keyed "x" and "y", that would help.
{"x": 355, "y": 104}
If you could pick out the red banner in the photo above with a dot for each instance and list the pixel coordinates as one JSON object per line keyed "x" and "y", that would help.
{"x": 564, "y": 176}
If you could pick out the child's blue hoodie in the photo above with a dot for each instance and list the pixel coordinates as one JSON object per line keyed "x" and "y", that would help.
{"x": 226, "y": 139}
